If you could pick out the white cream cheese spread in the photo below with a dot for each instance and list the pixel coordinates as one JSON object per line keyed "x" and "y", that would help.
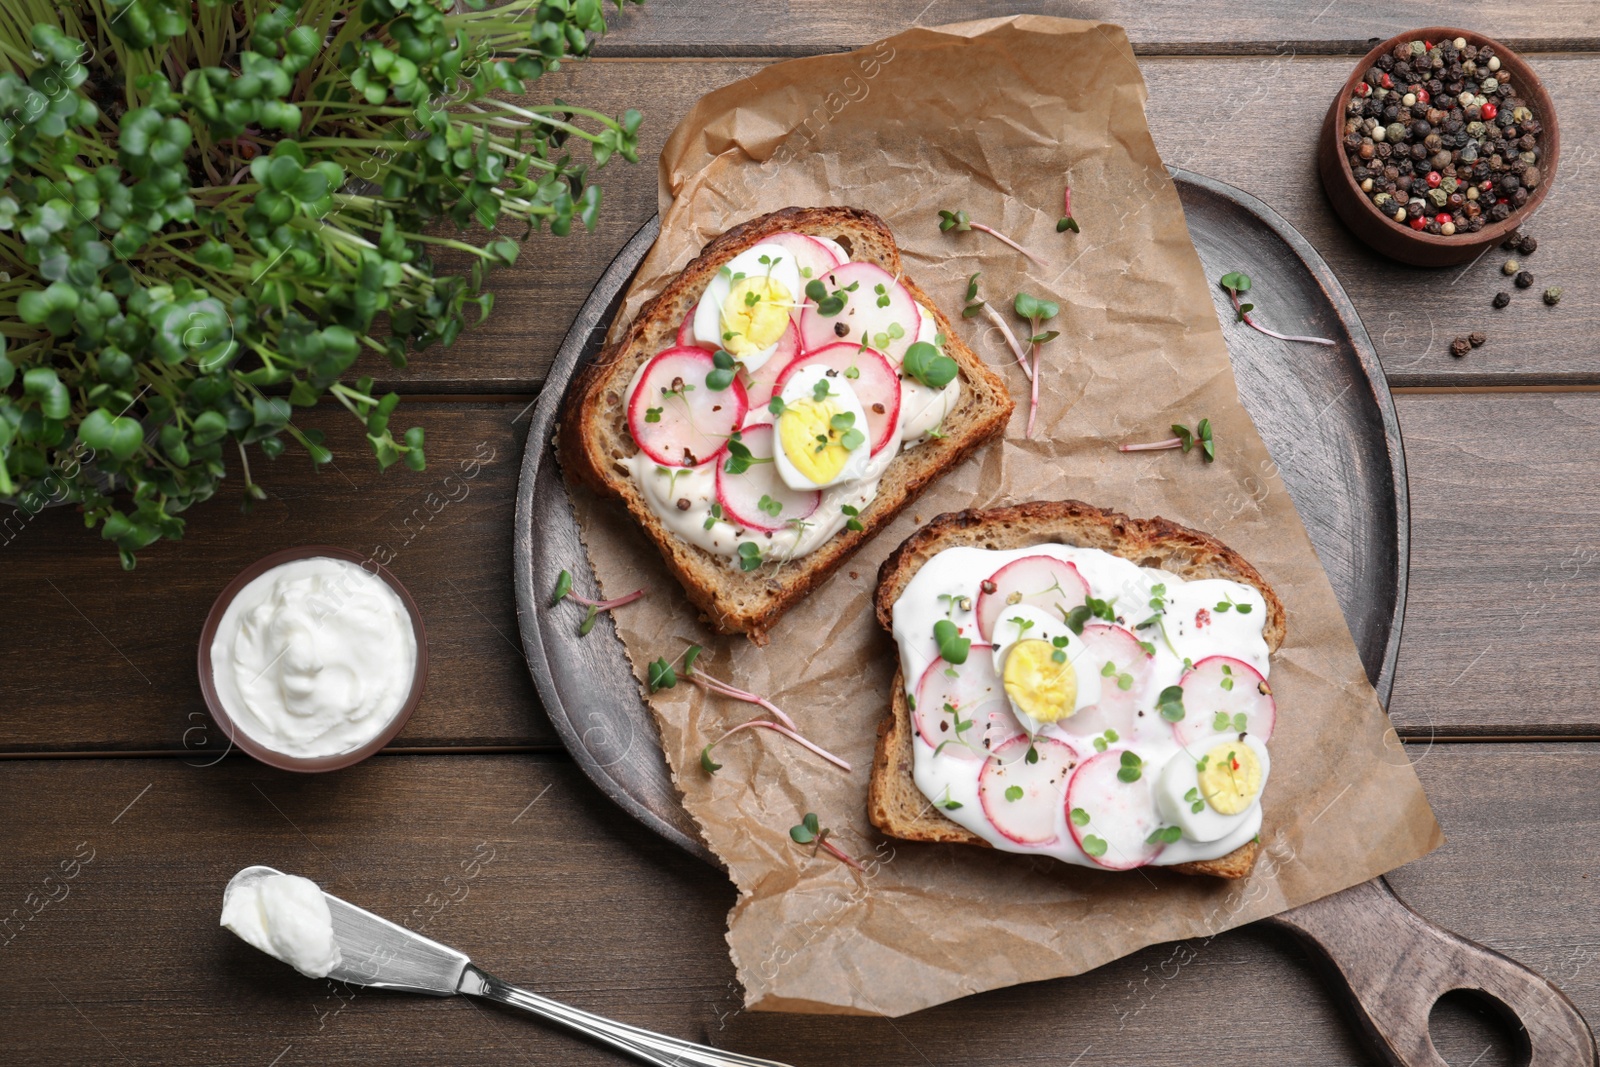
{"x": 286, "y": 917}
{"x": 1068, "y": 702}
{"x": 314, "y": 657}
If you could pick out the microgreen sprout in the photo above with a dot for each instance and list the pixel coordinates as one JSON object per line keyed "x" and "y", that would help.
{"x": 749, "y": 555}
{"x": 828, "y": 303}
{"x": 1192, "y": 798}
{"x": 1230, "y": 604}
{"x": 1132, "y": 767}
{"x": 1164, "y": 835}
{"x": 663, "y": 675}
{"x": 1236, "y": 723}
{"x": 1236, "y": 282}
{"x": 928, "y": 365}
{"x": 1184, "y": 438}
{"x": 952, "y": 646}
{"x": 1013, "y": 793}
{"x": 1170, "y": 703}
{"x": 740, "y": 458}
{"x": 563, "y": 591}
{"x": 652, "y": 414}
{"x": 1091, "y": 608}
{"x": 1037, "y": 311}
{"x": 714, "y": 516}
{"x": 1080, "y": 817}
{"x": 961, "y": 222}
{"x": 949, "y": 803}
{"x": 976, "y": 304}
{"x": 810, "y": 831}
{"x": 1066, "y": 221}
{"x": 723, "y": 368}
{"x": 1094, "y": 846}
{"x": 852, "y": 520}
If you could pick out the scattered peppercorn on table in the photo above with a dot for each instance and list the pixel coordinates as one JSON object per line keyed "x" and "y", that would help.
{"x": 125, "y": 814}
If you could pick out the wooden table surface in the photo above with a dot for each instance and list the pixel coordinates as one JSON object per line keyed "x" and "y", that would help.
{"x": 478, "y": 829}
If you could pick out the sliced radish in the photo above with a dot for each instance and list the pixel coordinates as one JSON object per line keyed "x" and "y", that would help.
{"x": 876, "y": 384}
{"x": 693, "y": 423}
{"x": 975, "y": 693}
{"x": 862, "y": 319}
{"x": 813, "y": 258}
{"x": 1118, "y": 708}
{"x": 1031, "y": 816}
{"x": 1222, "y": 684}
{"x": 1043, "y": 581}
{"x": 686, "y": 334}
{"x": 740, "y": 494}
{"x": 761, "y": 383}
{"x": 1121, "y": 815}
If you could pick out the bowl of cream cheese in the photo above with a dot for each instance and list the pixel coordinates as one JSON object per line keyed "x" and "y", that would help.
{"x": 313, "y": 658}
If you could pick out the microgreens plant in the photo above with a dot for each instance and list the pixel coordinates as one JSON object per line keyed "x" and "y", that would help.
{"x": 1091, "y": 608}
{"x": 1066, "y": 221}
{"x": 563, "y": 591}
{"x": 1184, "y": 438}
{"x": 664, "y": 675}
{"x": 1236, "y": 282}
{"x": 977, "y": 305}
{"x": 810, "y": 831}
{"x": 1037, "y": 311}
{"x": 960, "y": 222}
{"x": 210, "y": 208}
{"x": 953, "y": 647}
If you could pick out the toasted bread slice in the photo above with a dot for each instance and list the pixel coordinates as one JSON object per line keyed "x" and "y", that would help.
{"x": 594, "y": 440}
{"x": 894, "y": 803}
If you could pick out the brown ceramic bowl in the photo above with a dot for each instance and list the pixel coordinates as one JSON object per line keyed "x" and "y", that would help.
{"x": 281, "y": 760}
{"x": 1401, "y": 242}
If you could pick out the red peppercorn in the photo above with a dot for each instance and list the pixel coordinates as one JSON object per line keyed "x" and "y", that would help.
{"x": 1419, "y": 222}
{"x": 1489, "y": 111}
{"x": 1387, "y": 82}
{"x": 1423, "y": 97}
{"x": 1427, "y": 45}
{"x": 1434, "y": 178}
{"x": 1363, "y": 89}
{"x": 1442, "y": 217}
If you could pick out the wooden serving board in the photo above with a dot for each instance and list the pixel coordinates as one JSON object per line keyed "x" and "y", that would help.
{"x": 1329, "y": 422}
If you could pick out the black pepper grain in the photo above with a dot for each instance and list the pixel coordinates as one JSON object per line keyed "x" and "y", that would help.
{"x": 1477, "y": 338}
{"x": 1528, "y": 245}
{"x": 1501, "y": 299}
{"x": 1460, "y": 347}
{"x": 1524, "y": 280}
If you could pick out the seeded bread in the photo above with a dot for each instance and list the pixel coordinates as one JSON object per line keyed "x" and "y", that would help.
{"x": 593, "y": 440}
{"x": 894, "y": 803}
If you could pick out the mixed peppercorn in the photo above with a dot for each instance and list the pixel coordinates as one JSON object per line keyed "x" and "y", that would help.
{"x": 1438, "y": 139}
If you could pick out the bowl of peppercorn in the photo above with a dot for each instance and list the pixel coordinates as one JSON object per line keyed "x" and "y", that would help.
{"x": 1440, "y": 144}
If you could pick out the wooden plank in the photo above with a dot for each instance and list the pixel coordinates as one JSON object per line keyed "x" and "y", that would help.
{"x": 1505, "y": 565}
{"x": 519, "y": 862}
{"x": 1505, "y": 569}
{"x": 106, "y": 660}
{"x": 768, "y": 27}
{"x": 1251, "y": 122}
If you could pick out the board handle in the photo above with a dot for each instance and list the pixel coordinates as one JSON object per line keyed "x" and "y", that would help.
{"x": 1391, "y": 965}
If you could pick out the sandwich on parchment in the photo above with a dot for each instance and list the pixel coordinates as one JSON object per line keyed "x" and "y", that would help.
{"x": 779, "y": 401}
{"x": 1077, "y": 684}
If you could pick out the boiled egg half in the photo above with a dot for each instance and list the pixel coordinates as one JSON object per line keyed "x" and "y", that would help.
{"x": 1043, "y": 665}
{"x": 745, "y": 309}
{"x": 1209, "y": 789}
{"x": 822, "y": 431}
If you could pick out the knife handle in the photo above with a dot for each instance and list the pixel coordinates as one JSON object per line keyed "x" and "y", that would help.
{"x": 1393, "y": 965}
{"x": 644, "y": 1045}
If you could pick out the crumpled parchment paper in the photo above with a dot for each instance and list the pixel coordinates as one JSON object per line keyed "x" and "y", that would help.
{"x": 993, "y": 117}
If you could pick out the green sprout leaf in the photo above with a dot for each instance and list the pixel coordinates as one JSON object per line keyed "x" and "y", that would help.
{"x": 808, "y": 831}
{"x": 952, "y": 646}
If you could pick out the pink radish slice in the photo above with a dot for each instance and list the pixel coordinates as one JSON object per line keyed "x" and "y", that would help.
{"x": 811, "y": 257}
{"x": 1121, "y": 814}
{"x": 740, "y": 494}
{"x": 1117, "y": 709}
{"x": 876, "y": 384}
{"x": 862, "y": 320}
{"x": 1031, "y": 818}
{"x": 686, "y": 334}
{"x": 760, "y": 383}
{"x": 1043, "y": 581}
{"x": 692, "y": 426}
{"x": 976, "y": 694}
{"x": 1228, "y": 685}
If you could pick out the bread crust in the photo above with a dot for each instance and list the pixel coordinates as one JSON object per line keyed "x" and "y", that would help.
{"x": 592, "y": 440}
{"x": 894, "y": 803}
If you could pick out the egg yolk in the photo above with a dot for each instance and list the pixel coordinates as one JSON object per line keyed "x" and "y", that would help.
{"x": 808, "y": 438}
{"x": 1231, "y": 779}
{"x": 1044, "y": 687}
{"x": 754, "y": 315}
